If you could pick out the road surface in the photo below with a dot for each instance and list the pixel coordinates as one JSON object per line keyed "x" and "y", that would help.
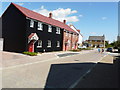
{"x": 60, "y": 72}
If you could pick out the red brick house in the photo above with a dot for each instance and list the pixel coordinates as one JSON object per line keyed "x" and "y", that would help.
{"x": 70, "y": 40}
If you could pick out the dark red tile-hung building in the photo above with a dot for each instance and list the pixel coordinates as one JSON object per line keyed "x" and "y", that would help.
{"x": 25, "y": 30}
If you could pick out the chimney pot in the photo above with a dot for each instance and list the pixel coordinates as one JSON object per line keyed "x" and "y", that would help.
{"x": 50, "y": 15}
{"x": 64, "y": 21}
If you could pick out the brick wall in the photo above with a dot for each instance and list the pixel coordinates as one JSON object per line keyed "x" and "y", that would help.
{"x": 69, "y": 41}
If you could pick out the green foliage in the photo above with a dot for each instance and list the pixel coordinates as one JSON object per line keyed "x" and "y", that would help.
{"x": 80, "y": 49}
{"x": 115, "y": 44}
{"x": 106, "y": 43}
{"x": 85, "y": 48}
{"x": 30, "y": 53}
{"x": 108, "y": 46}
{"x": 75, "y": 50}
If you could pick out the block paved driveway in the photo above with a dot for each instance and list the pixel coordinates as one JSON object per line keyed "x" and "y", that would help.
{"x": 54, "y": 72}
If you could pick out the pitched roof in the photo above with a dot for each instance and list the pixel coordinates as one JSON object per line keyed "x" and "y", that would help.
{"x": 39, "y": 17}
{"x": 78, "y": 30}
{"x": 32, "y": 34}
{"x": 96, "y": 37}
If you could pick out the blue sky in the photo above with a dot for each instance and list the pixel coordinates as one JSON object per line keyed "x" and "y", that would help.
{"x": 92, "y": 18}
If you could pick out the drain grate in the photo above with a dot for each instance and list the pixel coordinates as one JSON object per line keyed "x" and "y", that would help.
{"x": 66, "y": 54}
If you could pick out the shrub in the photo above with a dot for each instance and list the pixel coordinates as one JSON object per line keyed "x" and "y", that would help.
{"x": 76, "y": 50}
{"x": 85, "y": 49}
{"x": 30, "y": 53}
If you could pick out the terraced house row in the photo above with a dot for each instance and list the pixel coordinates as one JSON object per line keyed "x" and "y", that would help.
{"x": 26, "y": 30}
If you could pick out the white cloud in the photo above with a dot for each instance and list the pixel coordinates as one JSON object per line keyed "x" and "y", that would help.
{"x": 20, "y": 4}
{"x": 80, "y": 15}
{"x": 104, "y": 18}
{"x": 59, "y": 14}
{"x": 42, "y": 7}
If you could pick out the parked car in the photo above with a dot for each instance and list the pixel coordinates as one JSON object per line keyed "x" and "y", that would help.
{"x": 109, "y": 50}
{"x": 82, "y": 47}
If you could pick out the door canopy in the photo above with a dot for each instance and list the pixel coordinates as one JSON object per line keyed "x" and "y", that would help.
{"x": 33, "y": 36}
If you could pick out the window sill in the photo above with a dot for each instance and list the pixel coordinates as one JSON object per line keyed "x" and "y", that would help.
{"x": 40, "y": 30}
{"x": 48, "y": 46}
{"x": 39, "y": 46}
{"x": 57, "y": 33}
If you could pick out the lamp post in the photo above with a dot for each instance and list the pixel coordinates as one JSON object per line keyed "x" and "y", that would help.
{"x": 104, "y": 42}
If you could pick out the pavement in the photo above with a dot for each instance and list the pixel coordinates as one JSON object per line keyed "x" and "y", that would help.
{"x": 54, "y": 72}
{"x": 12, "y": 59}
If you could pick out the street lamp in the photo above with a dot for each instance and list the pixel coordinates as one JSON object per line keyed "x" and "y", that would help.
{"x": 104, "y": 41}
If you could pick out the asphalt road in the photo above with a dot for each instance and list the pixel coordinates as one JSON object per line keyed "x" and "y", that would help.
{"x": 63, "y": 72}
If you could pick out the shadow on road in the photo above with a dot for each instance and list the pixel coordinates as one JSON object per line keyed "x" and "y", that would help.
{"x": 117, "y": 64}
{"x": 103, "y": 75}
{"x": 64, "y": 75}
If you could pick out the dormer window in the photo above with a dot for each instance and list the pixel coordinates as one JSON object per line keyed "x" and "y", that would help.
{"x": 31, "y": 23}
{"x": 40, "y": 26}
{"x": 49, "y": 28}
{"x": 57, "y": 30}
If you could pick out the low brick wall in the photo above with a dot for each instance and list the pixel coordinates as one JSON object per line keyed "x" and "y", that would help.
{"x": 1, "y": 44}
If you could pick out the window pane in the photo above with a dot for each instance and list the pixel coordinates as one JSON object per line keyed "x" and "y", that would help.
{"x": 39, "y": 43}
{"x": 57, "y": 30}
{"x": 58, "y": 44}
{"x": 49, "y": 43}
{"x": 49, "y": 28}
{"x": 31, "y": 23}
{"x": 40, "y": 26}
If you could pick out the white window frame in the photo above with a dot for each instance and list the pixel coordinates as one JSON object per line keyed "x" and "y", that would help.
{"x": 48, "y": 43}
{"x": 49, "y": 28}
{"x": 73, "y": 45}
{"x": 31, "y": 23}
{"x": 73, "y": 34}
{"x": 58, "y": 43}
{"x": 101, "y": 45}
{"x": 39, "y": 44}
{"x": 57, "y": 30}
{"x": 40, "y": 26}
{"x": 67, "y": 33}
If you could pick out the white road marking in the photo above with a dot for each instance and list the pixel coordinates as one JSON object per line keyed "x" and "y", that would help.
{"x": 10, "y": 67}
{"x": 73, "y": 85}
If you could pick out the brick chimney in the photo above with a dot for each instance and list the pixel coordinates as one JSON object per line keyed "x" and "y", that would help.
{"x": 64, "y": 21}
{"x": 50, "y": 15}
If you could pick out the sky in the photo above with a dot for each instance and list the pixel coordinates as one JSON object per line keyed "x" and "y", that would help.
{"x": 92, "y": 18}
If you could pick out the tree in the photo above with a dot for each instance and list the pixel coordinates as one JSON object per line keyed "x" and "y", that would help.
{"x": 117, "y": 44}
